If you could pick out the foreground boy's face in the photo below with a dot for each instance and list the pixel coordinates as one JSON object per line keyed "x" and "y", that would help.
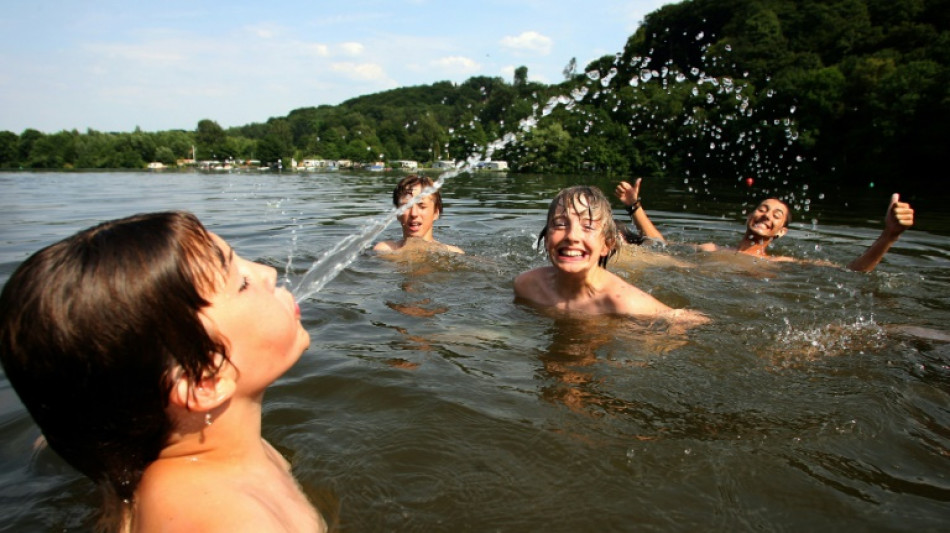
{"x": 259, "y": 321}
{"x": 575, "y": 238}
{"x": 417, "y": 221}
{"x": 768, "y": 219}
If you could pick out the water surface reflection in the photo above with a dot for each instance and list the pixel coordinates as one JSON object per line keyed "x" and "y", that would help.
{"x": 430, "y": 401}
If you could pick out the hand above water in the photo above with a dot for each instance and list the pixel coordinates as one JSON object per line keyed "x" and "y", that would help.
{"x": 628, "y": 194}
{"x": 899, "y": 217}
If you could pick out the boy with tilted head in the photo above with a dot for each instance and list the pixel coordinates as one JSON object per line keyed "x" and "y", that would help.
{"x": 142, "y": 348}
{"x": 769, "y": 221}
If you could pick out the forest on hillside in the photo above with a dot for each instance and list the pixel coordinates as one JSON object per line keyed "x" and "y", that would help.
{"x": 840, "y": 90}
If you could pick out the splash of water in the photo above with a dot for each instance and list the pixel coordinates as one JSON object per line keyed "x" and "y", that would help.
{"x": 724, "y": 88}
{"x": 334, "y": 260}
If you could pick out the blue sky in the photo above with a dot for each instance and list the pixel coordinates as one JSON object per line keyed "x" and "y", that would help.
{"x": 115, "y": 65}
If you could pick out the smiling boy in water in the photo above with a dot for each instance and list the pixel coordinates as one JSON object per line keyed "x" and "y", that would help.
{"x": 580, "y": 237}
{"x": 417, "y": 221}
{"x": 142, "y": 348}
{"x": 769, "y": 221}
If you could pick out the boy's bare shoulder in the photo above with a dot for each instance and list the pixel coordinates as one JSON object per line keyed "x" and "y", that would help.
{"x": 415, "y": 244}
{"x": 387, "y": 246}
{"x": 192, "y": 495}
{"x": 534, "y": 284}
{"x": 624, "y": 298}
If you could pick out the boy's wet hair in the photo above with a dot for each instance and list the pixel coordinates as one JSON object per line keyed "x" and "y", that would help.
{"x": 407, "y": 184}
{"x": 597, "y": 207}
{"x": 92, "y": 329}
{"x": 627, "y": 234}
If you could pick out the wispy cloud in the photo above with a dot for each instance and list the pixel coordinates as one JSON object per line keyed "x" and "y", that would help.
{"x": 361, "y": 71}
{"x": 456, "y": 65}
{"x": 529, "y": 41}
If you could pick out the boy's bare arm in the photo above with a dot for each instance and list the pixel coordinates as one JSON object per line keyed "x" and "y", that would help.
{"x": 630, "y": 196}
{"x": 899, "y": 217}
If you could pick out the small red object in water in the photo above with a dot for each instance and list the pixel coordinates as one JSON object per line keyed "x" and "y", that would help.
{"x": 749, "y": 182}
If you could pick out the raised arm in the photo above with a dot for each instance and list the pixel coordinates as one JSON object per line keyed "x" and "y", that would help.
{"x": 899, "y": 217}
{"x": 630, "y": 196}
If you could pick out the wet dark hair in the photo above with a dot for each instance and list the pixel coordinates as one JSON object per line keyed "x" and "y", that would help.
{"x": 629, "y": 236}
{"x": 408, "y": 183}
{"x": 92, "y": 327}
{"x": 597, "y": 206}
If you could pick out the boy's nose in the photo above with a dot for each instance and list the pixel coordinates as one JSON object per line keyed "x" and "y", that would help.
{"x": 574, "y": 232}
{"x": 269, "y": 275}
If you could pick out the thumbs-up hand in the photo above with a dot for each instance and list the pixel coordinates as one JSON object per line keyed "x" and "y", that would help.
{"x": 628, "y": 194}
{"x": 900, "y": 216}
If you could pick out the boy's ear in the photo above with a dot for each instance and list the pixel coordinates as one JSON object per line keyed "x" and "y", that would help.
{"x": 207, "y": 393}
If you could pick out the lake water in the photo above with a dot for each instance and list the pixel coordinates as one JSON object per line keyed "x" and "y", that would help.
{"x": 817, "y": 400}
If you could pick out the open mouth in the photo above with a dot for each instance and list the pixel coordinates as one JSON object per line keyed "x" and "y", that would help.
{"x": 762, "y": 225}
{"x": 571, "y": 254}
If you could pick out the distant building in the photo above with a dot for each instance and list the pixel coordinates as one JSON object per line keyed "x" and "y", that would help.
{"x": 404, "y": 164}
{"x": 493, "y": 165}
{"x": 444, "y": 164}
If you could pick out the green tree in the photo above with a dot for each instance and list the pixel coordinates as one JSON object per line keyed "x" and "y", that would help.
{"x": 27, "y": 139}
{"x": 544, "y": 148}
{"x": 9, "y": 144}
{"x": 521, "y": 76}
{"x": 209, "y": 137}
{"x": 570, "y": 70}
{"x": 277, "y": 144}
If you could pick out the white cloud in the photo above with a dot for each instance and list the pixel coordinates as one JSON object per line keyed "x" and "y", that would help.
{"x": 263, "y": 32}
{"x": 529, "y": 41}
{"x": 319, "y": 50}
{"x": 456, "y": 65}
{"x": 360, "y": 71}
{"x": 351, "y": 49}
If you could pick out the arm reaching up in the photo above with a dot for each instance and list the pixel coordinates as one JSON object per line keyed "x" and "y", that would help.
{"x": 630, "y": 196}
{"x": 899, "y": 217}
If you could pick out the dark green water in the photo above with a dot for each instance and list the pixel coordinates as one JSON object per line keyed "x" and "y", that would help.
{"x": 818, "y": 400}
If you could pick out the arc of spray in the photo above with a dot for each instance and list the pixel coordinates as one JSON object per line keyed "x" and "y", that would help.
{"x": 334, "y": 260}
{"x": 331, "y": 263}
